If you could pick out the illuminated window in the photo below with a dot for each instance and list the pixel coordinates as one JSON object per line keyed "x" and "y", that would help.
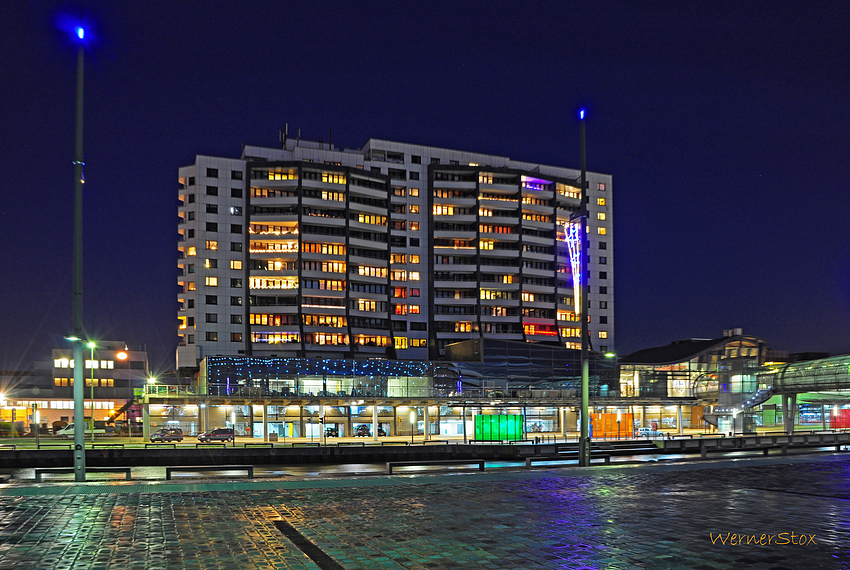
{"x": 601, "y": 231}
{"x": 414, "y": 209}
{"x": 190, "y": 285}
{"x": 527, "y": 296}
{"x": 372, "y": 219}
{"x": 211, "y": 282}
{"x": 365, "y": 340}
{"x": 414, "y": 259}
{"x": 400, "y": 292}
{"x": 486, "y": 212}
{"x": 212, "y": 245}
{"x": 398, "y": 258}
{"x": 275, "y": 338}
{"x": 442, "y": 210}
{"x": 414, "y": 192}
{"x": 274, "y": 283}
{"x": 414, "y": 292}
{"x": 366, "y": 305}
{"x": 414, "y": 226}
{"x": 369, "y": 271}
{"x": 400, "y": 309}
{"x": 600, "y": 201}
{"x": 601, "y": 187}
{"x": 191, "y": 250}
{"x": 333, "y": 178}
{"x": 463, "y": 327}
{"x": 235, "y": 264}
{"x": 507, "y": 278}
{"x": 603, "y": 334}
{"x": 600, "y": 216}
{"x": 211, "y": 263}
{"x": 399, "y": 275}
{"x": 414, "y": 276}
{"x": 413, "y": 309}
{"x": 401, "y": 342}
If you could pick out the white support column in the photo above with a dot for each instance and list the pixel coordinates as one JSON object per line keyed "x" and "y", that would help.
{"x": 680, "y": 418}
{"x": 426, "y": 431}
{"x": 463, "y": 422}
{"x": 146, "y": 421}
{"x": 794, "y": 411}
{"x": 375, "y": 422}
{"x": 265, "y": 422}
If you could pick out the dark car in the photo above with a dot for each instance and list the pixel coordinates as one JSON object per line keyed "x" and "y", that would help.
{"x": 332, "y": 431}
{"x": 167, "y": 434}
{"x": 364, "y": 430}
{"x": 217, "y": 434}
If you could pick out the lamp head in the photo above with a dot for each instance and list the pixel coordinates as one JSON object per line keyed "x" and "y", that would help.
{"x": 80, "y": 32}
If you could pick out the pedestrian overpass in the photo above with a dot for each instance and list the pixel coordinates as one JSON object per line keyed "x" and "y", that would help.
{"x": 788, "y": 380}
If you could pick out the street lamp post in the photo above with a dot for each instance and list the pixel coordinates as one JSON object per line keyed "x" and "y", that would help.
{"x": 412, "y": 421}
{"x": 79, "y": 397}
{"x": 584, "y": 443}
{"x": 91, "y": 346}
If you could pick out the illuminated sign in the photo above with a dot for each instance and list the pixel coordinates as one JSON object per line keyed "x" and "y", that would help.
{"x": 573, "y": 231}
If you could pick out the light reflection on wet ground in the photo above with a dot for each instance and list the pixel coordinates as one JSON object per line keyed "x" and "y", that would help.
{"x": 658, "y": 515}
{"x": 154, "y": 473}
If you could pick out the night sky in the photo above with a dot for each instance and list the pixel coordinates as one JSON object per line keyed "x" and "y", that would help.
{"x": 724, "y": 124}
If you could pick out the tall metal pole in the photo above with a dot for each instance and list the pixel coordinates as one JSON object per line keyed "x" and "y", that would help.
{"x": 91, "y": 364}
{"x": 79, "y": 394}
{"x": 584, "y": 444}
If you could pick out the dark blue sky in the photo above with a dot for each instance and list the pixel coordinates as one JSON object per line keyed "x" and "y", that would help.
{"x": 724, "y": 124}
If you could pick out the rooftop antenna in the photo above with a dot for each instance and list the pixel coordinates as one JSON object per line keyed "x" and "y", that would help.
{"x": 330, "y": 138}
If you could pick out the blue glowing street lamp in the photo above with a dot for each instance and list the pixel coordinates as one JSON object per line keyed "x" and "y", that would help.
{"x": 584, "y": 443}
{"x": 79, "y": 395}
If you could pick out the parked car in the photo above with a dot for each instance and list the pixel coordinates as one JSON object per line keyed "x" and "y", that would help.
{"x": 332, "y": 431}
{"x": 648, "y": 432}
{"x": 68, "y": 430}
{"x": 364, "y": 430}
{"x": 217, "y": 434}
{"x": 167, "y": 434}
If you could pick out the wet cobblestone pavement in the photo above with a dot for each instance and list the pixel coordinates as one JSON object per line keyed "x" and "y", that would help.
{"x": 655, "y": 516}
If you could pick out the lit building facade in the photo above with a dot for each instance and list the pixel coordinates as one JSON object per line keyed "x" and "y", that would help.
{"x": 113, "y": 375}
{"x": 389, "y": 251}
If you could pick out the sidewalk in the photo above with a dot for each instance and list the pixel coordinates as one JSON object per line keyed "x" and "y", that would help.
{"x": 654, "y": 516}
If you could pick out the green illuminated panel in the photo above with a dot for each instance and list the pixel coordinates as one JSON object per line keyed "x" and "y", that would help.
{"x": 498, "y": 428}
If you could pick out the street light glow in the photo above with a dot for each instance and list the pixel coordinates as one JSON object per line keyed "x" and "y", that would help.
{"x": 80, "y": 32}
{"x": 581, "y": 114}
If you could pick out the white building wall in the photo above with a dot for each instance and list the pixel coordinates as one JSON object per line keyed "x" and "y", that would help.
{"x": 219, "y": 337}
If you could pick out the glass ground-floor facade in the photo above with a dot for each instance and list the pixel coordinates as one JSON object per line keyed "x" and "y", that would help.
{"x": 313, "y": 420}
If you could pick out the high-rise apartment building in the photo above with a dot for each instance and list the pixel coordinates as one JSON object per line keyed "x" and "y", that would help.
{"x": 392, "y": 250}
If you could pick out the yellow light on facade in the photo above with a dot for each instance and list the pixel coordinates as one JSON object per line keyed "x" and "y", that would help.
{"x": 121, "y": 355}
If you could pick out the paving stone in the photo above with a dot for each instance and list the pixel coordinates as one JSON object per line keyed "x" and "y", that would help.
{"x": 660, "y": 516}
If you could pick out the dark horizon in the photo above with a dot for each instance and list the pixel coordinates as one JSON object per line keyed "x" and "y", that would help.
{"x": 724, "y": 127}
